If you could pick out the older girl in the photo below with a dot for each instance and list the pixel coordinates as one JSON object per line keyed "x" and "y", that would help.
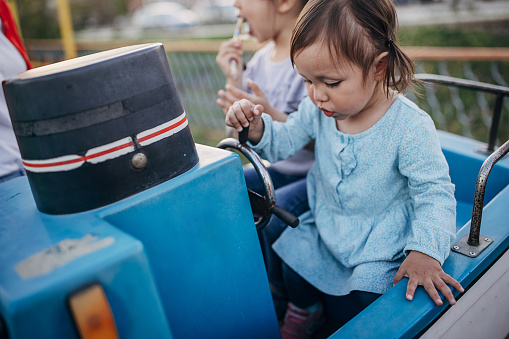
{"x": 270, "y": 80}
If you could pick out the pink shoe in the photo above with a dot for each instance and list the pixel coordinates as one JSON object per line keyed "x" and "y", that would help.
{"x": 299, "y": 323}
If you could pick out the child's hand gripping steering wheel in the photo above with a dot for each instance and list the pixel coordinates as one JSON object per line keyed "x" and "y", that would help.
{"x": 262, "y": 206}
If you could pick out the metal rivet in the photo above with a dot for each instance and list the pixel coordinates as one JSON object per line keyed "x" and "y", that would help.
{"x": 139, "y": 161}
{"x": 456, "y": 247}
{"x": 472, "y": 253}
{"x": 487, "y": 239}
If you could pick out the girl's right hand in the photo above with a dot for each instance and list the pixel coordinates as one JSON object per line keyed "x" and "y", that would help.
{"x": 244, "y": 113}
{"x": 229, "y": 50}
{"x": 421, "y": 269}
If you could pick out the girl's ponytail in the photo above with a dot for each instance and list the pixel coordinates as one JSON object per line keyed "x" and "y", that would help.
{"x": 400, "y": 68}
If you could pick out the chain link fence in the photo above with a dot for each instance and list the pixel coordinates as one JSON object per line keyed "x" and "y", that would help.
{"x": 463, "y": 112}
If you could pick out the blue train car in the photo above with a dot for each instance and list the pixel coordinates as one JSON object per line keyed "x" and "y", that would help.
{"x": 176, "y": 255}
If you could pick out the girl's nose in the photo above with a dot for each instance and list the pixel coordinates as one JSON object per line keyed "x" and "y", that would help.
{"x": 319, "y": 94}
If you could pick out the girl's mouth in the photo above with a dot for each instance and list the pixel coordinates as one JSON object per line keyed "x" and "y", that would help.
{"x": 327, "y": 113}
{"x": 245, "y": 29}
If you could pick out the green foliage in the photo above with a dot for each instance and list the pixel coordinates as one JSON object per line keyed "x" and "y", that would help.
{"x": 476, "y": 35}
{"x": 37, "y": 19}
{"x": 472, "y": 119}
{"x": 87, "y": 13}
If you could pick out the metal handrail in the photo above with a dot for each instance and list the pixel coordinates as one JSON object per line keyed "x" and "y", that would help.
{"x": 480, "y": 187}
{"x": 473, "y": 244}
{"x": 499, "y": 91}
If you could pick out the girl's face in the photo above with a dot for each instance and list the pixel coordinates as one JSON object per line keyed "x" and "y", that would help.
{"x": 337, "y": 89}
{"x": 260, "y": 15}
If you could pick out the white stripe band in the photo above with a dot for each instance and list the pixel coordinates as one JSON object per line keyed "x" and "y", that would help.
{"x": 109, "y": 151}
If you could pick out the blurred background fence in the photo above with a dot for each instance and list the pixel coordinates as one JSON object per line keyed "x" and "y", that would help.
{"x": 198, "y": 78}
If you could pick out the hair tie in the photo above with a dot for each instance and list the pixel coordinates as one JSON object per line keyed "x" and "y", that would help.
{"x": 389, "y": 43}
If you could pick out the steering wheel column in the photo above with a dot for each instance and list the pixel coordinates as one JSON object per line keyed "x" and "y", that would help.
{"x": 263, "y": 206}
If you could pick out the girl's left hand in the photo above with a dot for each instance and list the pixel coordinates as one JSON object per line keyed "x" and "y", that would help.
{"x": 244, "y": 113}
{"x": 423, "y": 270}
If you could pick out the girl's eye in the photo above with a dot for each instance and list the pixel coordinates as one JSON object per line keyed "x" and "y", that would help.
{"x": 306, "y": 81}
{"x": 332, "y": 84}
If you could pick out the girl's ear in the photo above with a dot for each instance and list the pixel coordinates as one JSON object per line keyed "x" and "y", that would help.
{"x": 284, "y": 6}
{"x": 380, "y": 66}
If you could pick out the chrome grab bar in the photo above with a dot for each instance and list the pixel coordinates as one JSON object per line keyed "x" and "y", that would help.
{"x": 474, "y": 243}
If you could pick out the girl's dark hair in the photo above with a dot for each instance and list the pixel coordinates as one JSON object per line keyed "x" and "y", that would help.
{"x": 358, "y": 30}
{"x": 303, "y": 2}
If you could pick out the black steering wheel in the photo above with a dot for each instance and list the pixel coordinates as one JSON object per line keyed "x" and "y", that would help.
{"x": 263, "y": 206}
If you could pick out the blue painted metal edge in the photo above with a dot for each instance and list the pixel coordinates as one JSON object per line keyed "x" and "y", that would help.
{"x": 392, "y": 316}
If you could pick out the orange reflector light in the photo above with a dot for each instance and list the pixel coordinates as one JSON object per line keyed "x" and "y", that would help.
{"x": 92, "y": 314}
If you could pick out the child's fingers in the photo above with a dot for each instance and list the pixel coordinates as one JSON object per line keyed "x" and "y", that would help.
{"x": 429, "y": 286}
{"x": 227, "y": 51}
{"x": 224, "y": 60}
{"x": 238, "y": 92}
{"x": 446, "y": 291}
{"x": 247, "y": 108}
{"x": 451, "y": 281}
{"x": 231, "y": 118}
{"x": 241, "y": 113}
{"x": 447, "y": 279}
{"x": 254, "y": 87}
{"x": 257, "y": 110}
{"x": 410, "y": 289}
{"x": 399, "y": 275}
{"x": 224, "y": 105}
{"x": 229, "y": 46}
{"x": 236, "y": 115}
{"x": 232, "y": 121}
{"x": 229, "y": 95}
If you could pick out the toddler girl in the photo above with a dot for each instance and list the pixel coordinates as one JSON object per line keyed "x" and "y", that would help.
{"x": 270, "y": 80}
{"x": 381, "y": 201}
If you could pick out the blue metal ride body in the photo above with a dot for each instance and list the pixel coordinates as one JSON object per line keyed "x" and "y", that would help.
{"x": 179, "y": 260}
{"x": 182, "y": 259}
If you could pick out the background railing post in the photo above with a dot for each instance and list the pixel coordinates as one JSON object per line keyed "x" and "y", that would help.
{"x": 495, "y": 121}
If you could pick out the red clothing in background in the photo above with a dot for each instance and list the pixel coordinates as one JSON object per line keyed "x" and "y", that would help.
{"x": 11, "y": 31}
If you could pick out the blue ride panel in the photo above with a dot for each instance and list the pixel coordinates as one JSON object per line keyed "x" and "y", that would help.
{"x": 178, "y": 260}
{"x": 44, "y": 259}
{"x": 202, "y": 244}
{"x": 464, "y": 165}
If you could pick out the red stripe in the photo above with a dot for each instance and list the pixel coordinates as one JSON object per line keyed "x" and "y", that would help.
{"x": 164, "y": 130}
{"x": 84, "y": 158}
{"x": 108, "y": 151}
{"x": 60, "y": 163}
{"x": 111, "y": 150}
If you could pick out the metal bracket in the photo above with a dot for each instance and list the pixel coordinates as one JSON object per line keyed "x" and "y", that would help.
{"x": 463, "y": 247}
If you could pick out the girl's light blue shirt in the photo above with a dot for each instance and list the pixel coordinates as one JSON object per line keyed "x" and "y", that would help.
{"x": 373, "y": 196}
